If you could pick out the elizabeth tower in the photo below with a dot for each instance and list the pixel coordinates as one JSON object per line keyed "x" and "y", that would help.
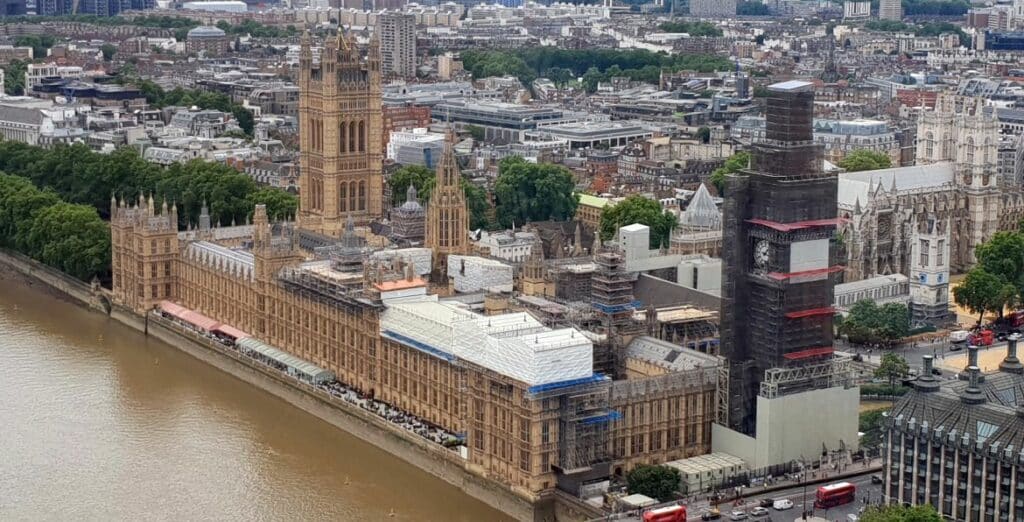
{"x": 340, "y": 127}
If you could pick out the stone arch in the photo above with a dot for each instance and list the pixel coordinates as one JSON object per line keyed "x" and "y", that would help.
{"x": 343, "y": 197}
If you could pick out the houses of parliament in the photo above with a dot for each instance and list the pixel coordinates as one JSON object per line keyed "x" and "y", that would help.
{"x": 530, "y": 411}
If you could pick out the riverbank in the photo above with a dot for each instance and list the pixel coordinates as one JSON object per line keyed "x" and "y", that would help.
{"x": 442, "y": 463}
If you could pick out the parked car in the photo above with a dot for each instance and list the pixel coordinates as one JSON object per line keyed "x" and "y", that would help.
{"x": 738, "y": 515}
{"x": 936, "y": 371}
{"x": 783, "y": 504}
{"x": 759, "y": 511}
{"x": 956, "y": 347}
{"x": 712, "y": 514}
{"x": 876, "y": 479}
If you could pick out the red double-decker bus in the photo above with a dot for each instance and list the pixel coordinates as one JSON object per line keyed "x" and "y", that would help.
{"x": 835, "y": 495}
{"x": 666, "y": 514}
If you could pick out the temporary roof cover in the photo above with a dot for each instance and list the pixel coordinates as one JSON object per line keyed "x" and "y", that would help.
{"x": 302, "y": 367}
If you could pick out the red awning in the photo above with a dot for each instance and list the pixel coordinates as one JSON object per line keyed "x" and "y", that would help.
{"x": 828, "y": 310}
{"x": 799, "y": 225}
{"x": 812, "y": 352}
{"x": 189, "y": 316}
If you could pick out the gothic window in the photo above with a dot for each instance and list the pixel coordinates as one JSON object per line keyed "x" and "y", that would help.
{"x": 343, "y": 197}
{"x": 352, "y": 136}
{"x": 924, "y": 252}
{"x": 341, "y": 138}
{"x": 362, "y": 194}
{"x": 940, "y": 254}
{"x": 929, "y": 145}
{"x": 969, "y": 153}
{"x": 362, "y": 137}
{"x": 988, "y": 152}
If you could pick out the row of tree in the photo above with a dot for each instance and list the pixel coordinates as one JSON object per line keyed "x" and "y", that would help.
{"x": 71, "y": 238}
{"x": 590, "y": 65}
{"x": 997, "y": 280}
{"x": 79, "y": 175}
{"x": 691, "y": 28}
{"x": 868, "y": 323}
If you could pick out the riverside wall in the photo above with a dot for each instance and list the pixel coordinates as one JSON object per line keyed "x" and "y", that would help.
{"x": 442, "y": 463}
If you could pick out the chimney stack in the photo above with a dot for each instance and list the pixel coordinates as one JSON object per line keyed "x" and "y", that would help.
{"x": 1011, "y": 364}
{"x": 926, "y": 382}
{"x": 973, "y": 395}
{"x": 972, "y": 360}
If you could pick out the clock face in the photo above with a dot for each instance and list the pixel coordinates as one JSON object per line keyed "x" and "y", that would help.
{"x": 761, "y": 251}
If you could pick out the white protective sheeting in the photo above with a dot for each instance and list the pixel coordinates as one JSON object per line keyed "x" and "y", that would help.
{"x": 515, "y": 345}
{"x": 808, "y": 255}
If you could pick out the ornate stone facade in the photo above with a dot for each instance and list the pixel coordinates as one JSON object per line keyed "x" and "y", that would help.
{"x": 447, "y": 213}
{"x": 340, "y": 127}
{"x": 144, "y": 252}
{"x": 955, "y": 182}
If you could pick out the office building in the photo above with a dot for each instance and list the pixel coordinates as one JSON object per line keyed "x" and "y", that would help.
{"x": 890, "y": 9}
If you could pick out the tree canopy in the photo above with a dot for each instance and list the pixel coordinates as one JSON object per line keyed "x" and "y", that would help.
{"x": 593, "y": 65}
{"x": 70, "y": 238}
{"x": 924, "y": 513}
{"x": 657, "y": 482}
{"x": 691, "y": 28}
{"x": 892, "y": 368}
{"x": 871, "y": 427}
{"x": 527, "y": 192}
{"x": 864, "y": 159}
{"x": 734, "y": 164}
{"x": 14, "y": 77}
{"x": 423, "y": 179}
{"x": 108, "y": 50}
{"x": 997, "y": 281}
{"x": 79, "y": 175}
{"x": 752, "y": 8}
{"x": 638, "y": 209}
{"x": 869, "y": 323}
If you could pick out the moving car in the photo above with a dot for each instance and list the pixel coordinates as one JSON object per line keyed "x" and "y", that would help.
{"x": 738, "y": 515}
{"x": 876, "y": 479}
{"x": 712, "y": 514}
{"x": 758, "y": 511}
{"x": 766, "y": 502}
{"x": 783, "y": 504}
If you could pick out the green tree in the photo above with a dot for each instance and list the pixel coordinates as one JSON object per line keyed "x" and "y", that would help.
{"x": 892, "y": 368}
{"x": 1003, "y": 256}
{"x": 981, "y": 292}
{"x": 868, "y": 322}
{"x": 14, "y": 77}
{"x": 871, "y": 427}
{"x": 476, "y": 132}
{"x": 924, "y": 513}
{"x": 704, "y": 134}
{"x": 417, "y": 175}
{"x": 527, "y": 192}
{"x": 657, "y": 482}
{"x": 638, "y": 209}
{"x": 479, "y": 206}
{"x": 71, "y": 238}
{"x": 40, "y": 44}
{"x": 863, "y": 159}
{"x": 108, "y": 51}
{"x": 691, "y": 28}
{"x": 734, "y": 164}
{"x": 281, "y": 205}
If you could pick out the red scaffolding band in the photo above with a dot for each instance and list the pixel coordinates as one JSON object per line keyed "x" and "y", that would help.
{"x": 799, "y": 225}
{"x": 828, "y": 310}
{"x": 812, "y": 352}
{"x": 781, "y": 276}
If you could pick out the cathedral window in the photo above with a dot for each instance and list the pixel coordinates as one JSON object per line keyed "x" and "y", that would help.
{"x": 343, "y": 197}
{"x": 969, "y": 152}
{"x": 341, "y": 137}
{"x": 940, "y": 254}
{"x": 929, "y": 145}
{"x": 362, "y": 137}
{"x": 924, "y": 252}
{"x": 362, "y": 192}
{"x": 352, "y": 136}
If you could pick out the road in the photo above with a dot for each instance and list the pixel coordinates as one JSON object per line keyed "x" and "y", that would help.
{"x": 941, "y": 350}
{"x": 865, "y": 489}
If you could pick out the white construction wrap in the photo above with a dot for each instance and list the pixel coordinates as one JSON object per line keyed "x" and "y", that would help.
{"x": 808, "y": 255}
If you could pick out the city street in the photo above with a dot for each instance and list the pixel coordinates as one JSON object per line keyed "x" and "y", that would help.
{"x": 989, "y": 356}
{"x": 799, "y": 496}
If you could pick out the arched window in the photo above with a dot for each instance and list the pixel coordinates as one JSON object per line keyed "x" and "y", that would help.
{"x": 352, "y": 194}
{"x": 341, "y": 137}
{"x": 362, "y": 191}
{"x": 969, "y": 151}
{"x": 989, "y": 151}
{"x": 929, "y": 145}
{"x": 343, "y": 197}
{"x": 352, "y": 136}
{"x": 362, "y": 137}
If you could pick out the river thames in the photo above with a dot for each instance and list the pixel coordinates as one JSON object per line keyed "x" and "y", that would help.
{"x": 98, "y": 422}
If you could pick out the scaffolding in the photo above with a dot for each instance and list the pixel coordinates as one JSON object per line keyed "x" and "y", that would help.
{"x": 612, "y": 294}
{"x": 584, "y": 421}
{"x": 837, "y": 371}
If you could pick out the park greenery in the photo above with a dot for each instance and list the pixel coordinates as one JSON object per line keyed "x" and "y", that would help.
{"x": 81, "y": 176}
{"x": 423, "y": 179}
{"x": 923, "y": 513}
{"x": 638, "y": 209}
{"x": 691, "y": 28}
{"x": 526, "y": 192}
{"x": 863, "y": 159}
{"x": 257, "y": 30}
{"x": 158, "y": 98}
{"x": 868, "y": 323}
{"x": 71, "y": 238}
{"x": 752, "y": 8}
{"x": 40, "y": 44}
{"x": 734, "y": 164}
{"x": 997, "y": 281}
{"x": 591, "y": 66}
{"x": 658, "y": 482}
